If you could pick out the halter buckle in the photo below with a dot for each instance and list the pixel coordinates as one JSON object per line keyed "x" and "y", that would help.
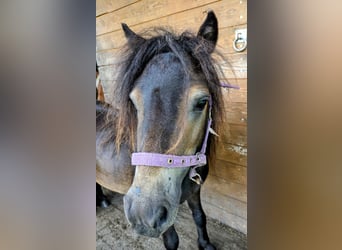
{"x": 194, "y": 176}
{"x": 197, "y": 179}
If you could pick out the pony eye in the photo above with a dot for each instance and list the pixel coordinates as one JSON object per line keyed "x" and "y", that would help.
{"x": 200, "y": 105}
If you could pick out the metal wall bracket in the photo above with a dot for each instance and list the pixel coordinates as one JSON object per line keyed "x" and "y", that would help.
{"x": 240, "y": 41}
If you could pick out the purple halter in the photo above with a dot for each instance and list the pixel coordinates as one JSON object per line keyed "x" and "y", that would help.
{"x": 177, "y": 161}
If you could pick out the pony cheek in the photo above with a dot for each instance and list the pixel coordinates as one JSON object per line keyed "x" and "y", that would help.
{"x": 192, "y": 139}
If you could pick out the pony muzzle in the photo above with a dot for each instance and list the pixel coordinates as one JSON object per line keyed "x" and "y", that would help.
{"x": 148, "y": 217}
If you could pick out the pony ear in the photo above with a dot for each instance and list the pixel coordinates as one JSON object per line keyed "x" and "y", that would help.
{"x": 132, "y": 37}
{"x": 209, "y": 29}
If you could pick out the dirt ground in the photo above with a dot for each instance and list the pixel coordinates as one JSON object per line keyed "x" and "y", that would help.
{"x": 114, "y": 232}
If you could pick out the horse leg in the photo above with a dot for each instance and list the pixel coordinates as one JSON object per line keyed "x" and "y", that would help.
{"x": 101, "y": 199}
{"x": 200, "y": 219}
{"x": 170, "y": 238}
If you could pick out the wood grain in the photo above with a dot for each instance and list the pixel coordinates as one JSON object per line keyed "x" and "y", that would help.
{"x": 229, "y": 171}
{"x": 235, "y": 154}
{"x": 229, "y": 14}
{"x": 107, "y": 6}
{"x": 236, "y": 113}
{"x": 236, "y": 95}
{"x": 235, "y": 65}
{"x": 226, "y": 187}
{"x": 229, "y": 219}
{"x": 234, "y": 134}
{"x": 144, "y": 11}
{"x": 230, "y": 205}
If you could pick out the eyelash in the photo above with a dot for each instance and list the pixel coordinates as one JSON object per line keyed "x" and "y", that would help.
{"x": 200, "y": 104}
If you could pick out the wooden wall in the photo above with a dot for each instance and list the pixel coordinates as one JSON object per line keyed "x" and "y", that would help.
{"x": 224, "y": 194}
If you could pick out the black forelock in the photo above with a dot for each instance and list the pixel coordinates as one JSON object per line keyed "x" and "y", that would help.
{"x": 160, "y": 40}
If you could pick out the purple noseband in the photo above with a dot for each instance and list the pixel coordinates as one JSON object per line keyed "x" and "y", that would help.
{"x": 168, "y": 161}
{"x": 177, "y": 161}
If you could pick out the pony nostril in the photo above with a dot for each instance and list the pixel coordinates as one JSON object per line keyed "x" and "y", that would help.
{"x": 162, "y": 214}
{"x": 158, "y": 218}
